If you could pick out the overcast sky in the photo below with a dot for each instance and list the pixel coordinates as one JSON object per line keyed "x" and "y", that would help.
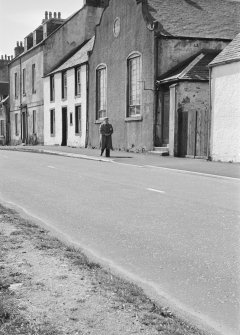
{"x": 19, "y": 17}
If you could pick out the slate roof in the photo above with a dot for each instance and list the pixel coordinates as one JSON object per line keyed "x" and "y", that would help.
{"x": 80, "y": 57}
{"x": 230, "y": 54}
{"x": 194, "y": 68}
{"x": 197, "y": 18}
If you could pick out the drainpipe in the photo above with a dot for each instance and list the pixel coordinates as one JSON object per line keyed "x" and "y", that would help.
{"x": 209, "y": 116}
{"x": 87, "y": 105}
{"x": 155, "y": 102}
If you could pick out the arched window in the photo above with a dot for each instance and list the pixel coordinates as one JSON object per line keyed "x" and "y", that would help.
{"x": 134, "y": 84}
{"x": 101, "y": 81}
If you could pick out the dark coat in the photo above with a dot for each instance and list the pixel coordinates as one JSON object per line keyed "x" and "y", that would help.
{"x": 106, "y": 131}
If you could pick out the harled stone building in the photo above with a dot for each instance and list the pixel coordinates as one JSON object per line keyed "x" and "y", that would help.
{"x": 53, "y": 41}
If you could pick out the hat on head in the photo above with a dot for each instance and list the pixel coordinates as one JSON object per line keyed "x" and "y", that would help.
{"x": 105, "y": 118}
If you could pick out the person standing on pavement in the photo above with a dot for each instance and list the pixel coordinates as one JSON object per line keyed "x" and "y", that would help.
{"x": 106, "y": 131}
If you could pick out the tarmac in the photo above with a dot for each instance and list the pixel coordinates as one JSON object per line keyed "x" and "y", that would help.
{"x": 199, "y": 166}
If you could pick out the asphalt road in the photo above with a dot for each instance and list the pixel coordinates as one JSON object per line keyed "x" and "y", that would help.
{"x": 176, "y": 234}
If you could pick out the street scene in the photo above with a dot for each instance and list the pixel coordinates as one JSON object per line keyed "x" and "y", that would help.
{"x": 120, "y": 168}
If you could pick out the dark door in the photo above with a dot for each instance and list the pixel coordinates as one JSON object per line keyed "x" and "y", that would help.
{"x": 165, "y": 117}
{"x": 182, "y": 133}
{"x": 64, "y": 127}
{"x": 197, "y": 133}
{"x": 24, "y": 127}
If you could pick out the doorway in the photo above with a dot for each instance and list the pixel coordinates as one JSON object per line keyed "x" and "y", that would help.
{"x": 24, "y": 126}
{"x": 64, "y": 126}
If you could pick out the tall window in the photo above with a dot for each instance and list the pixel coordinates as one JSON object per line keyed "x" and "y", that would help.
{"x": 64, "y": 85}
{"x": 15, "y": 85}
{"x": 134, "y": 85}
{"x": 16, "y": 125}
{"x": 33, "y": 78}
{"x": 24, "y": 81}
{"x": 34, "y": 121}
{"x": 2, "y": 132}
{"x": 78, "y": 81}
{"x": 52, "y": 122}
{"x": 78, "y": 119}
{"x": 52, "y": 88}
{"x": 101, "y": 92}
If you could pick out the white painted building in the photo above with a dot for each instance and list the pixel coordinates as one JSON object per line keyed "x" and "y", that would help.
{"x": 65, "y": 101}
{"x": 225, "y": 104}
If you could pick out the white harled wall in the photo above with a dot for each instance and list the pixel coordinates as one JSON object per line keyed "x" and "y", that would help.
{"x": 74, "y": 140}
{"x": 225, "y": 125}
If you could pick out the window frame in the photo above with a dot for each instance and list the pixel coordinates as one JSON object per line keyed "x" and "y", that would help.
{"x": 78, "y": 81}
{"x": 78, "y": 119}
{"x": 24, "y": 82}
{"x": 101, "y": 94}
{"x": 16, "y": 85}
{"x": 64, "y": 85}
{"x": 34, "y": 78}
{"x": 52, "y": 87}
{"x": 134, "y": 99}
{"x": 52, "y": 122}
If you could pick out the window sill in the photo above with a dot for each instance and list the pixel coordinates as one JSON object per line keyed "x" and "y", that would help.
{"x": 64, "y": 99}
{"x": 78, "y": 134}
{"x": 52, "y": 101}
{"x": 134, "y": 118}
{"x": 77, "y": 96}
{"x": 52, "y": 135}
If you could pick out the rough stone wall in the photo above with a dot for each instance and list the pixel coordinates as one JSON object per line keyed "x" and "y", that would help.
{"x": 173, "y": 51}
{"x": 225, "y": 123}
{"x": 129, "y": 134}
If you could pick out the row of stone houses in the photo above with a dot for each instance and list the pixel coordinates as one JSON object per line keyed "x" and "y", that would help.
{"x": 142, "y": 63}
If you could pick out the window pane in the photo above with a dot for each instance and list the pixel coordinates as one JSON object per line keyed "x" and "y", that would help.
{"x": 101, "y": 93}
{"x": 134, "y": 84}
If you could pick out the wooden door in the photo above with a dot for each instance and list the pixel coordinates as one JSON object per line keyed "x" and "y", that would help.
{"x": 165, "y": 117}
{"x": 197, "y": 134}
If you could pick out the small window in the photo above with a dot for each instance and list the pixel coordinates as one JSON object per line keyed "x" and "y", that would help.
{"x": 134, "y": 85}
{"x": 33, "y": 78}
{"x": 101, "y": 92}
{"x": 52, "y": 122}
{"x": 78, "y": 81}
{"x": 2, "y": 130}
{"x": 64, "y": 85}
{"x": 78, "y": 119}
{"x": 71, "y": 119}
{"x": 34, "y": 122}
{"x": 15, "y": 85}
{"x": 24, "y": 82}
{"x": 52, "y": 88}
{"x": 16, "y": 125}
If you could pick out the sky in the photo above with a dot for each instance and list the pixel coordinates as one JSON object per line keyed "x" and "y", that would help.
{"x": 20, "y": 17}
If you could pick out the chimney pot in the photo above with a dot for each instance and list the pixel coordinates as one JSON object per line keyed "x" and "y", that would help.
{"x": 2, "y": 57}
{"x": 17, "y": 44}
{"x": 50, "y": 15}
{"x": 21, "y": 44}
{"x": 59, "y": 15}
{"x": 8, "y": 57}
{"x": 55, "y": 15}
{"x": 5, "y": 57}
{"x": 46, "y": 15}
{"x": 12, "y": 57}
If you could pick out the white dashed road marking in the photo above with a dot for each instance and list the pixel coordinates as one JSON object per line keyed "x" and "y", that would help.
{"x": 157, "y": 191}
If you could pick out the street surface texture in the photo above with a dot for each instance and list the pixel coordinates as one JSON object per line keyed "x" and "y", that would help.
{"x": 176, "y": 234}
{"x": 48, "y": 288}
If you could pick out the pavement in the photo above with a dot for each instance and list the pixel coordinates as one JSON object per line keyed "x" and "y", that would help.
{"x": 202, "y": 166}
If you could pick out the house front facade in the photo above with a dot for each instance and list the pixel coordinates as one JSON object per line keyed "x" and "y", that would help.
{"x": 65, "y": 101}
{"x": 137, "y": 43}
{"x": 44, "y": 49}
{"x": 225, "y": 104}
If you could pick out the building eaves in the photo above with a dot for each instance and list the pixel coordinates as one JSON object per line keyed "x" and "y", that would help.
{"x": 193, "y": 69}
{"x": 229, "y": 54}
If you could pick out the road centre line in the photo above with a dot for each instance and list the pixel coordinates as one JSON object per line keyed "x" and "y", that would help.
{"x": 51, "y": 167}
{"x": 154, "y": 190}
{"x": 193, "y": 172}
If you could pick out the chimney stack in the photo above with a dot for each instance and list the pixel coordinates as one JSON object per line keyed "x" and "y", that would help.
{"x": 50, "y": 15}
{"x": 18, "y": 49}
{"x": 59, "y": 15}
{"x": 55, "y": 15}
{"x": 46, "y": 15}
